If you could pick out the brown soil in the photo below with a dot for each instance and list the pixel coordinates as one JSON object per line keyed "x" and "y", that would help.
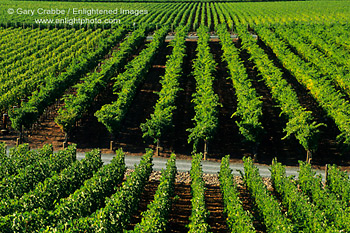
{"x": 249, "y": 205}
{"x": 130, "y": 136}
{"x": 228, "y": 139}
{"x": 90, "y": 133}
{"x": 47, "y": 131}
{"x": 214, "y": 204}
{"x": 146, "y": 198}
{"x": 181, "y": 206}
{"x": 287, "y": 151}
{"x": 181, "y": 209}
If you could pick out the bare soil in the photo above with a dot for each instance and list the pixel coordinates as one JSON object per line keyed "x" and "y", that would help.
{"x": 181, "y": 206}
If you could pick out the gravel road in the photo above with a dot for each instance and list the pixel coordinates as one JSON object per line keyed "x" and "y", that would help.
{"x": 209, "y": 167}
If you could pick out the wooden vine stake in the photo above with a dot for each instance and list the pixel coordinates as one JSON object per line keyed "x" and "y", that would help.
{"x": 111, "y": 145}
{"x": 4, "y": 120}
{"x": 308, "y": 156}
{"x": 4, "y": 130}
{"x": 65, "y": 142}
{"x": 255, "y": 157}
{"x": 158, "y": 147}
{"x": 205, "y": 149}
{"x": 21, "y": 136}
{"x": 326, "y": 174}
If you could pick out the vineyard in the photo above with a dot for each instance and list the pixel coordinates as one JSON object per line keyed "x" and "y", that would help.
{"x": 44, "y": 191}
{"x": 263, "y": 82}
